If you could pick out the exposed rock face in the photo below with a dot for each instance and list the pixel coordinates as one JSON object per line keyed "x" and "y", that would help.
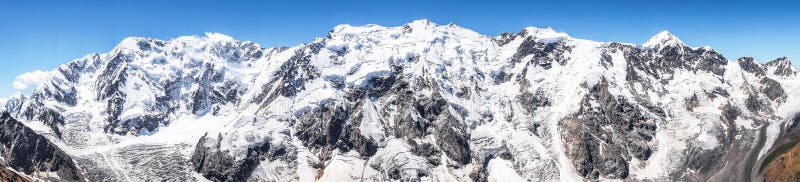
{"x": 7, "y": 174}
{"x": 748, "y": 64}
{"x": 662, "y": 63}
{"x": 218, "y": 165}
{"x": 772, "y": 89}
{"x": 321, "y": 129}
{"x": 781, "y": 67}
{"x": 532, "y": 101}
{"x": 31, "y": 153}
{"x": 793, "y": 122}
{"x": 606, "y": 132}
{"x": 544, "y": 53}
{"x": 294, "y": 73}
{"x": 452, "y": 138}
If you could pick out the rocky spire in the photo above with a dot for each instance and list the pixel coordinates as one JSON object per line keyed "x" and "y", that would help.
{"x": 781, "y": 66}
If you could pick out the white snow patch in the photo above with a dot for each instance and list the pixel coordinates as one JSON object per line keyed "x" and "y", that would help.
{"x": 502, "y": 170}
{"x": 547, "y": 35}
{"x": 371, "y": 124}
{"x": 664, "y": 38}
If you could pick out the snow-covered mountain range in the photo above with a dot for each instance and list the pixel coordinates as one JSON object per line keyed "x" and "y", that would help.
{"x": 417, "y": 102}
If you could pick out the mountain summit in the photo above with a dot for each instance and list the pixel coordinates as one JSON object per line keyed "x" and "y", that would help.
{"x": 420, "y": 101}
{"x": 662, "y": 39}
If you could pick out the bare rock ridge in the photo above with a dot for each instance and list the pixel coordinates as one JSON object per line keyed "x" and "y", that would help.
{"x": 26, "y": 151}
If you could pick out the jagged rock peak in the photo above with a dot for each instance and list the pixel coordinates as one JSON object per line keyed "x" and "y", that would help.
{"x": 779, "y": 62}
{"x": 781, "y": 66}
{"x": 745, "y": 59}
{"x": 663, "y": 39}
{"x": 749, "y": 64}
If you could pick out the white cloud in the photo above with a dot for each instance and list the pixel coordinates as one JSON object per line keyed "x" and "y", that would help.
{"x": 30, "y": 79}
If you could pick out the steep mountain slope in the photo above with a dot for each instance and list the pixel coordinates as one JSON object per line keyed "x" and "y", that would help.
{"x": 419, "y": 101}
{"x": 33, "y": 154}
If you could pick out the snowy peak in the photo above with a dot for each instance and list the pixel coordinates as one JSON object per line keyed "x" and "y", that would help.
{"x": 749, "y": 64}
{"x": 419, "y": 29}
{"x": 13, "y": 102}
{"x": 349, "y": 29}
{"x": 132, "y": 44}
{"x": 211, "y": 40}
{"x": 663, "y": 39}
{"x": 421, "y": 23}
{"x": 545, "y": 34}
{"x": 782, "y": 61}
{"x": 211, "y": 44}
{"x": 781, "y": 67}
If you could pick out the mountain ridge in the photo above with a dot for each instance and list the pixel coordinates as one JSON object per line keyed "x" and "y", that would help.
{"x": 449, "y": 102}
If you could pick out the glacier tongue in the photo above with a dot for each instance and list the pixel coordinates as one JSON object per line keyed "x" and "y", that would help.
{"x": 420, "y": 101}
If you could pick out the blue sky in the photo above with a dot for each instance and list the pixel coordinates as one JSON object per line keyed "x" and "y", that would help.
{"x": 40, "y": 35}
